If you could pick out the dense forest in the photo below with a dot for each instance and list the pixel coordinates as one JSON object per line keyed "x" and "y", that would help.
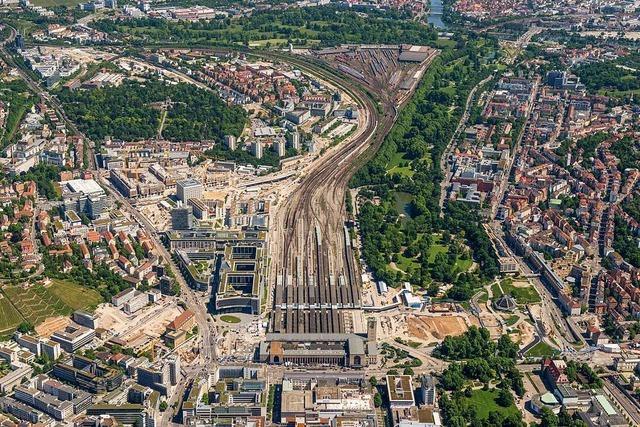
{"x": 134, "y": 111}
{"x": 618, "y": 75}
{"x": 627, "y": 151}
{"x": 414, "y": 148}
{"x": 18, "y": 99}
{"x": 325, "y": 25}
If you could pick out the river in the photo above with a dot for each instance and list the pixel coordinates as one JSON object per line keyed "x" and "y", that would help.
{"x": 435, "y": 14}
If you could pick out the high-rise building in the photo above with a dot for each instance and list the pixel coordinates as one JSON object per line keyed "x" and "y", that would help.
{"x": 257, "y": 149}
{"x": 174, "y": 369}
{"x": 181, "y": 218}
{"x": 279, "y": 148}
{"x": 428, "y": 390}
{"x": 189, "y": 189}
{"x": 230, "y": 142}
{"x": 294, "y": 140}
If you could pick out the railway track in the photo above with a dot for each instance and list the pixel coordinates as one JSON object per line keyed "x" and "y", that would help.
{"x": 319, "y": 280}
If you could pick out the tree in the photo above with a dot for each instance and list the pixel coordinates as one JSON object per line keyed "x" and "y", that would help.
{"x": 505, "y": 398}
{"x": 163, "y": 406}
{"x": 377, "y": 400}
{"x": 548, "y": 418}
{"x": 25, "y": 327}
{"x": 373, "y": 381}
{"x": 452, "y": 378}
{"x": 407, "y": 371}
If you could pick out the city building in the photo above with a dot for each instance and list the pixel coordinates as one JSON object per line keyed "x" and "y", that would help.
{"x": 189, "y": 189}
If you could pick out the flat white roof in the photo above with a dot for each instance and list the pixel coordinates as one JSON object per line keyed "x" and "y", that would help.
{"x": 86, "y": 186}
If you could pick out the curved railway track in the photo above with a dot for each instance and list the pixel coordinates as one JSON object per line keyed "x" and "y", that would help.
{"x": 316, "y": 272}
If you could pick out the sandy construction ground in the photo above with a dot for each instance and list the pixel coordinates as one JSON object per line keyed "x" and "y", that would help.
{"x": 431, "y": 328}
{"x": 52, "y": 324}
{"x": 525, "y": 333}
{"x": 152, "y": 320}
{"x": 492, "y": 324}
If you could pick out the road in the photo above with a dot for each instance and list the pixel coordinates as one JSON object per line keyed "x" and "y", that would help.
{"x": 626, "y": 405}
{"x": 44, "y": 95}
{"x": 444, "y": 160}
{"x": 206, "y": 330}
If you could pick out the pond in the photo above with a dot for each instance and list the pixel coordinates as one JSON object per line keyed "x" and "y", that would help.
{"x": 403, "y": 203}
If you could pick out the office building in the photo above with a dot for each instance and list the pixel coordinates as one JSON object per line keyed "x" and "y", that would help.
{"x": 400, "y": 391}
{"x": 189, "y": 189}
{"x": 239, "y": 281}
{"x": 73, "y": 337}
{"x": 126, "y": 413}
{"x": 428, "y": 390}
{"x": 279, "y": 148}
{"x": 51, "y": 349}
{"x": 156, "y": 377}
{"x": 89, "y": 375}
{"x": 182, "y": 218}
{"x": 84, "y": 196}
{"x": 122, "y": 297}
{"x": 137, "y": 301}
{"x": 293, "y": 139}
{"x": 27, "y": 341}
{"x": 47, "y": 403}
{"x": 85, "y": 319}
{"x": 23, "y": 412}
{"x": 174, "y": 369}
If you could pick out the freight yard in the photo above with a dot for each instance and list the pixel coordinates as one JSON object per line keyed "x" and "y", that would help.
{"x": 391, "y": 70}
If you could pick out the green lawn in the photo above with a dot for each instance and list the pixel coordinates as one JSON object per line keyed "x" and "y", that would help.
{"x": 437, "y": 248}
{"x": 405, "y": 264}
{"x": 10, "y": 318}
{"x": 512, "y": 320}
{"x": 483, "y": 298}
{"x": 230, "y": 319}
{"x": 484, "y": 402}
{"x": 74, "y": 295}
{"x": 463, "y": 264}
{"x": 542, "y": 349}
{"x": 443, "y": 43}
{"x": 522, "y": 295}
{"x": 401, "y": 170}
{"x": 262, "y": 43}
{"x": 399, "y": 164}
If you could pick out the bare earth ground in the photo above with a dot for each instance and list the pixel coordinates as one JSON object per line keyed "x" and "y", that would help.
{"x": 51, "y": 324}
{"x": 428, "y": 328}
{"x": 150, "y": 320}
